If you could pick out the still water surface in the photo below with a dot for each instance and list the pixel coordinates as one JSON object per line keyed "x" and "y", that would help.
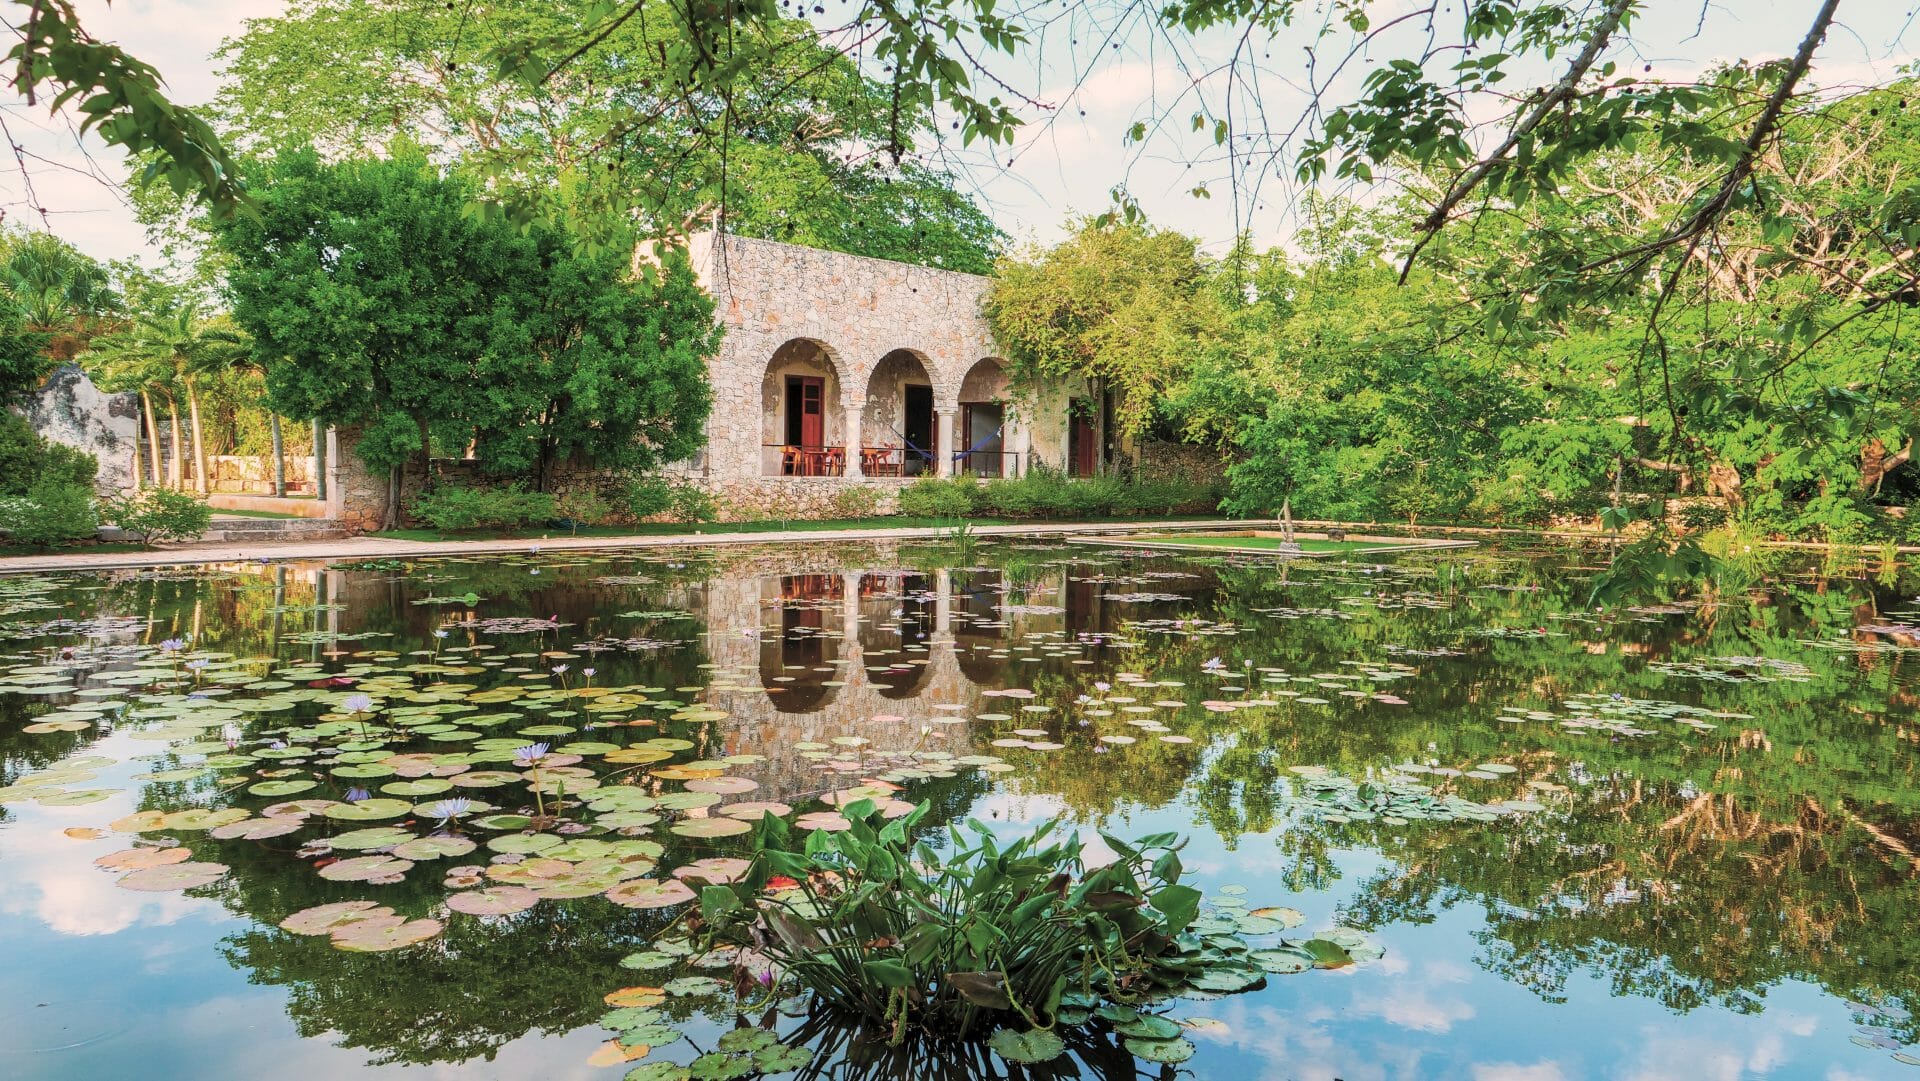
{"x": 1681, "y": 842}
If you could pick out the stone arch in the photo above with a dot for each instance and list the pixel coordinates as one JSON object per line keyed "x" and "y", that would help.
{"x": 897, "y": 422}
{"x": 897, "y": 615}
{"x": 802, "y": 394}
{"x": 799, "y": 646}
{"x": 984, "y": 419}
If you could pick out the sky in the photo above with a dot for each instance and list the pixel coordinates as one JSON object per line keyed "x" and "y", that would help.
{"x": 1066, "y": 162}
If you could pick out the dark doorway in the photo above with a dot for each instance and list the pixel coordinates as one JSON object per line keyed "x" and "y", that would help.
{"x": 917, "y": 429}
{"x": 1083, "y": 438}
{"x": 981, "y": 427}
{"x": 806, "y": 416}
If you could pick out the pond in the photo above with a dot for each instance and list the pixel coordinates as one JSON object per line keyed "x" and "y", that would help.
{"x": 1670, "y": 841}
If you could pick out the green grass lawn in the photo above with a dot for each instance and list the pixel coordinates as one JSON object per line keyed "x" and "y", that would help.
{"x": 660, "y": 529}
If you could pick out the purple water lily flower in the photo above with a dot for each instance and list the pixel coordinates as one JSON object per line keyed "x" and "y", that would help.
{"x": 531, "y": 754}
{"x": 174, "y": 645}
{"x": 357, "y": 703}
{"x": 449, "y": 809}
{"x": 356, "y": 794}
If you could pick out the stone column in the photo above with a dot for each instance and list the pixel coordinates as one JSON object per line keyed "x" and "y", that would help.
{"x": 856, "y": 411}
{"x": 943, "y": 420}
{"x": 943, "y": 605}
{"x": 850, "y": 609}
{"x": 1022, "y": 444}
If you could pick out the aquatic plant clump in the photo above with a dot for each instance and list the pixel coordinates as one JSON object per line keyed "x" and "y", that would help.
{"x": 1006, "y": 941}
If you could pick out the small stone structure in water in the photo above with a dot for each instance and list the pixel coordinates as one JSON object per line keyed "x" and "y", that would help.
{"x": 68, "y": 408}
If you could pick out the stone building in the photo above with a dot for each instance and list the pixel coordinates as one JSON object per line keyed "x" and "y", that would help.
{"x": 841, "y": 371}
{"x": 840, "y": 380}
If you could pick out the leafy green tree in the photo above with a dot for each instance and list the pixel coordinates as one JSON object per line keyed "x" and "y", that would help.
{"x": 176, "y": 347}
{"x": 804, "y": 151}
{"x": 52, "y": 300}
{"x": 1123, "y": 306}
{"x": 373, "y": 297}
{"x": 599, "y": 369}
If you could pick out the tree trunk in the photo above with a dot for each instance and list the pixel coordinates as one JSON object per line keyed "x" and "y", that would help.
{"x": 319, "y": 461}
{"x": 1100, "y": 426}
{"x": 153, "y": 436}
{"x": 199, "y": 444}
{"x": 390, "y": 514}
{"x": 175, "y": 476}
{"x": 1876, "y": 463}
{"x": 1684, "y": 474}
{"x": 279, "y": 456}
{"x": 1724, "y": 479}
{"x": 137, "y": 485}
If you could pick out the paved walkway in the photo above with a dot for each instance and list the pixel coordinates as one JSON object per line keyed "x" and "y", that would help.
{"x": 356, "y": 548}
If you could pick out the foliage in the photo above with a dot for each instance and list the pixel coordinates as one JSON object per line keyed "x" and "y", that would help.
{"x": 1045, "y": 494}
{"x": 856, "y": 501}
{"x": 653, "y": 496}
{"x": 797, "y": 155}
{"x": 160, "y": 515}
{"x": 373, "y": 297}
{"x": 582, "y": 506}
{"x": 1122, "y": 305}
{"x": 932, "y": 497}
{"x": 952, "y": 942}
{"x": 51, "y": 511}
{"x": 456, "y": 507}
{"x": 593, "y": 368}
{"x": 119, "y": 99}
{"x": 29, "y": 460}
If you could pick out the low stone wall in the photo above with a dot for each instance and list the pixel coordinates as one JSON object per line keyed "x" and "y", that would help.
{"x": 254, "y": 472}
{"x": 775, "y": 498}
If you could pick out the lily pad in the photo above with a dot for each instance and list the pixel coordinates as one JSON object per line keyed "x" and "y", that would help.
{"x": 176, "y": 876}
{"x": 1038, "y": 1045}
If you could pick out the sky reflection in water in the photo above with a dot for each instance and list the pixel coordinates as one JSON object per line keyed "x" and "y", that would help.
{"x": 1691, "y": 903}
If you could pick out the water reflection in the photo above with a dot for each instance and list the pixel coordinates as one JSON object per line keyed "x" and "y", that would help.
{"x": 1683, "y": 883}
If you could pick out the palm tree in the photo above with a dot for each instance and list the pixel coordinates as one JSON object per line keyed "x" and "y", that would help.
{"x": 173, "y": 349}
{"x": 56, "y": 291}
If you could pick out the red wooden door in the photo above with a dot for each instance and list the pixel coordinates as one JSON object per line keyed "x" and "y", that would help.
{"x": 809, "y": 401}
{"x": 1082, "y": 440}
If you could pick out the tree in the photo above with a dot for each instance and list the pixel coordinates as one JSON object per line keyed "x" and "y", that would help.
{"x": 793, "y": 154}
{"x": 1122, "y": 305}
{"x": 172, "y": 347}
{"x": 599, "y": 369}
{"x": 373, "y": 296}
{"x": 52, "y": 300}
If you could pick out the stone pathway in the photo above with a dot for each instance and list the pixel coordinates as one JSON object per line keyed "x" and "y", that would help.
{"x": 356, "y": 548}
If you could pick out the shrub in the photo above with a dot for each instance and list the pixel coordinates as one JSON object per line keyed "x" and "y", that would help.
{"x": 936, "y": 498}
{"x": 456, "y": 508}
{"x": 858, "y": 501}
{"x": 953, "y": 943}
{"x": 161, "y": 514}
{"x": 50, "y": 512}
{"x": 647, "y": 497}
{"x": 691, "y": 504}
{"x": 583, "y": 506}
{"x": 651, "y": 497}
{"x": 27, "y": 459}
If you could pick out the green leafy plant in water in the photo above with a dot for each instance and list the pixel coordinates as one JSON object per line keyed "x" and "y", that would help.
{"x": 1021, "y": 933}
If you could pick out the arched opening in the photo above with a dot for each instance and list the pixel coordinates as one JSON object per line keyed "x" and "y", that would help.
{"x": 802, "y": 424}
{"x": 981, "y": 446}
{"x": 979, "y": 626}
{"x": 897, "y": 427}
{"x": 797, "y": 652}
{"x": 896, "y": 621}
